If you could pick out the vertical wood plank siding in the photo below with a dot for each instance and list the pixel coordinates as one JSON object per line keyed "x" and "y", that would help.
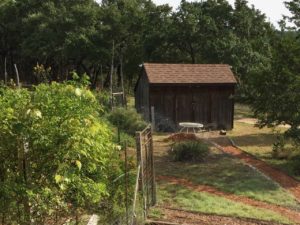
{"x": 191, "y": 103}
{"x": 142, "y": 97}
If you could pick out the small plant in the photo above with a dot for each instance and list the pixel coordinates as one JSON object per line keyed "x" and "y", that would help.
{"x": 42, "y": 73}
{"x": 278, "y": 147}
{"x": 103, "y": 97}
{"x": 125, "y": 139}
{"x": 194, "y": 151}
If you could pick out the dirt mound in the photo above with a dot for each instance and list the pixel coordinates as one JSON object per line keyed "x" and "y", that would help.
{"x": 178, "y": 137}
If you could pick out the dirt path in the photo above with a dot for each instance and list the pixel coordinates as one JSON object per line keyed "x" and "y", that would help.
{"x": 183, "y": 217}
{"x": 191, "y": 218}
{"x": 291, "y": 214}
{"x": 280, "y": 177}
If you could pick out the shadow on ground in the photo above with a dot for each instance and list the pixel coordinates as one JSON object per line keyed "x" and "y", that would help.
{"x": 219, "y": 170}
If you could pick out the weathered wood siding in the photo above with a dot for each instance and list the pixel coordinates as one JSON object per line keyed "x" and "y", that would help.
{"x": 191, "y": 103}
{"x": 142, "y": 97}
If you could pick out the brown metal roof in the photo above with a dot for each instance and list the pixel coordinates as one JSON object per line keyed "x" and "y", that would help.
{"x": 189, "y": 73}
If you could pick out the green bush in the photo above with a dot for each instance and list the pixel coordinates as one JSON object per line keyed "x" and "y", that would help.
{"x": 125, "y": 139}
{"x": 279, "y": 147}
{"x": 103, "y": 97}
{"x": 128, "y": 120}
{"x": 193, "y": 151}
{"x": 57, "y": 154}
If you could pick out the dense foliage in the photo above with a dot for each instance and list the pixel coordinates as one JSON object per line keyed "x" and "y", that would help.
{"x": 67, "y": 35}
{"x": 274, "y": 90}
{"x": 57, "y": 155}
{"x": 127, "y": 120}
{"x": 189, "y": 151}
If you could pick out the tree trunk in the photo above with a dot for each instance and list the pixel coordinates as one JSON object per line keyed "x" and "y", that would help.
{"x": 192, "y": 54}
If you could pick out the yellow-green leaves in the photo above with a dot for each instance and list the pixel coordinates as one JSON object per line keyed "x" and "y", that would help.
{"x": 78, "y": 92}
{"x": 58, "y": 178}
{"x": 71, "y": 149}
{"x": 34, "y": 113}
{"x": 78, "y": 164}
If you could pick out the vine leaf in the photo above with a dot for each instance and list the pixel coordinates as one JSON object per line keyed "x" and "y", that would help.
{"x": 78, "y": 164}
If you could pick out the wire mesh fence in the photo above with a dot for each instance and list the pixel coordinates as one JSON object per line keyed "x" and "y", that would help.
{"x": 147, "y": 175}
{"x": 138, "y": 182}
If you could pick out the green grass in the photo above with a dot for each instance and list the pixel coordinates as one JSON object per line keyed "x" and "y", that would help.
{"x": 155, "y": 213}
{"x": 259, "y": 142}
{"x": 180, "y": 197}
{"x": 228, "y": 175}
{"x": 242, "y": 111}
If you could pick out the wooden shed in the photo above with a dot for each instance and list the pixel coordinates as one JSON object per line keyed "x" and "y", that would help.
{"x": 186, "y": 93}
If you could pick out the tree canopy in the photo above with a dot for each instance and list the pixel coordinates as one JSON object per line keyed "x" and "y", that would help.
{"x": 78, "y": 35}
{"x": 274, "y": 90}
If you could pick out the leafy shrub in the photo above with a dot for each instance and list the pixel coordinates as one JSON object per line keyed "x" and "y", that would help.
{"x": 194, "y": 151}
{"x": 128, "y": 120}
{"x": 103, "y": 97}
{"x": 57, "y": 154}
{"x": 278, "y": 150}
{"x": 127, "y": 139}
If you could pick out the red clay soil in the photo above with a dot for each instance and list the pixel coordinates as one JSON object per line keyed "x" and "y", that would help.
{"x": 280, "y": 177}
{"x": 291, "y": 214}
{"x": 192, "y": 218}
{"x": 182, "y": 137}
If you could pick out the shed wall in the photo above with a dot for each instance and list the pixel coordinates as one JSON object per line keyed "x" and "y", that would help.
{"x": 142, "y": 97}
{"x": 202, "y": 104}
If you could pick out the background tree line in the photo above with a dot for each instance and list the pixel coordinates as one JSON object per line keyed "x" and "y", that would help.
{"x": 78, "y": 35}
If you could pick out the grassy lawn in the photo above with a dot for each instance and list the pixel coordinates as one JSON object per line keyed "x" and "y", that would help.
{"x": 180, "y": 197}
{"x": 259, "y": 142}
{"x": 229, "y": 175}
{"x": 242, "y": 111}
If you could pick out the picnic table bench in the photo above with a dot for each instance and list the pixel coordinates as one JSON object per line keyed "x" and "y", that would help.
{"x": 189, "y": 125}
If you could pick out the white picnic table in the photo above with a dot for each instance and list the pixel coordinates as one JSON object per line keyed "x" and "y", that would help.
{"x": 189, "y": 125}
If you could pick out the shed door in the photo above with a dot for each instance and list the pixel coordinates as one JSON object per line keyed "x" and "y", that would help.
{"x": 184, "y": 106}
{"x": 169, "y": 106}
{"x": 222, "y": 108}
{"x": 202, "y": 106}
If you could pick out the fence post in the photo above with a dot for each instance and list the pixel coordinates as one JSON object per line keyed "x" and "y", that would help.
{"x": 5, "y": 72}
{"x": 135, "y": 194}
{"x": 152, "y": 171}
{"x": 17, "y": 75}
{"x": 126, "y": 184}
{"x": 152, "y": 119}
{"x": 140, "y": 159}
